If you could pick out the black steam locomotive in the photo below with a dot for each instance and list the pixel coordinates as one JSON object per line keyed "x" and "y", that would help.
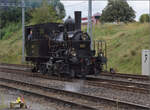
{"x": 62, "y": 48}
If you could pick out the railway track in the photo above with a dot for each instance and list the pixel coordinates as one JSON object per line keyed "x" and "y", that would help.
{"x": 127, "y": 76}
{"x": 107, "y": 74}
{"x": 97, "y": 82}
{"x": 121, "y": 85}
{"x": 73, "y": 99}
{"x": 39, "y": 91}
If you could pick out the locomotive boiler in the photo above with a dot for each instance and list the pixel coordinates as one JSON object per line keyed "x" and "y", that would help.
{"x": 63, "y": 49}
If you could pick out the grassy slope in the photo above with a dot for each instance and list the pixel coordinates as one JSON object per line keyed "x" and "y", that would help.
{"x": 11, "y": 45}
{"x": 125, "y": 43}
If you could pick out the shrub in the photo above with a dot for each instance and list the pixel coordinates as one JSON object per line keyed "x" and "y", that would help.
{"x": 144, "y": 18}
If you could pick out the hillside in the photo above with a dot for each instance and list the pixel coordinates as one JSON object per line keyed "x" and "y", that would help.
{"x": 124, "y": 44}
{"x": 11, "y": 44}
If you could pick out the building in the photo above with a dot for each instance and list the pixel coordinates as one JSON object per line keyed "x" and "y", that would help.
{"x": 95, "y": 19}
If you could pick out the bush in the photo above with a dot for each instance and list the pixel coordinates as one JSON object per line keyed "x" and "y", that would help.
{"x": 144, "y": 18}
{"x": 9, "y": 29}
{"x": 44, "y": 14}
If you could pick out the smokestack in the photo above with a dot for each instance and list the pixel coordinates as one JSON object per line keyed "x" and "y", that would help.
{"x": 77, "y": 20}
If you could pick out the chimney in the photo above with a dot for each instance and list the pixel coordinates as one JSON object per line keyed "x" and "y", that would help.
{"x": 77, "y": 20}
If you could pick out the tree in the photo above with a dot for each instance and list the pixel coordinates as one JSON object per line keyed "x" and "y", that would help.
{"x": 117, "y": 11}
{"x": 144, "y": 18}
{"x": 59, "y": 7}
{"x": 12, "y": 14}
{"x": 9, "y": 15}
{"x": 56, "y": 4}
{"x": 44, "y": 14}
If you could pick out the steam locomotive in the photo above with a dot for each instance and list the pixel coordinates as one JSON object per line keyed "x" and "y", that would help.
{"x": 62, "y": 48}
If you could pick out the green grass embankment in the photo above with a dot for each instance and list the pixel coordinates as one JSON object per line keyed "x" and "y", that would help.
{"x": 11, "y": 44}
{"x": 124, "y": 44}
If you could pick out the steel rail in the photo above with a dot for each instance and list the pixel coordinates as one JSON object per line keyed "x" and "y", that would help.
{"x": 125, "y": 83}
{"x": 118, "y": 87}
{"x": 123, "y": 75}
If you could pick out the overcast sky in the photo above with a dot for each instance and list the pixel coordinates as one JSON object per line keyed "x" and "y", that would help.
{"x": 140, "y": 6}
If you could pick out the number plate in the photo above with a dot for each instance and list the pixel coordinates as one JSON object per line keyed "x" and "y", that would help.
{"x": 82, "y": 45}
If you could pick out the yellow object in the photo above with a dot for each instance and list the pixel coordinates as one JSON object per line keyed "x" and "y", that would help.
{"x": 18, "y": 100}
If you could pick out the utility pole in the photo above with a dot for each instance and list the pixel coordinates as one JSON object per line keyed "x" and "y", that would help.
{"x": 23, "y": 33}
{"x": 89, "y": 28}
{"x": 0, "y": 25}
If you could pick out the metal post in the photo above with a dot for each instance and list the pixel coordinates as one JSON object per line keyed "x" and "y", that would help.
{"x": 89, "y": 28}
{"x": 23, "y": 33}
{"x": 0, "y": 25}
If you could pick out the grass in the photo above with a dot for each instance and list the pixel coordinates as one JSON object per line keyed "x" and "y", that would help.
{"x": 11, "y": 44}
{"x": 124, "y": 44}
